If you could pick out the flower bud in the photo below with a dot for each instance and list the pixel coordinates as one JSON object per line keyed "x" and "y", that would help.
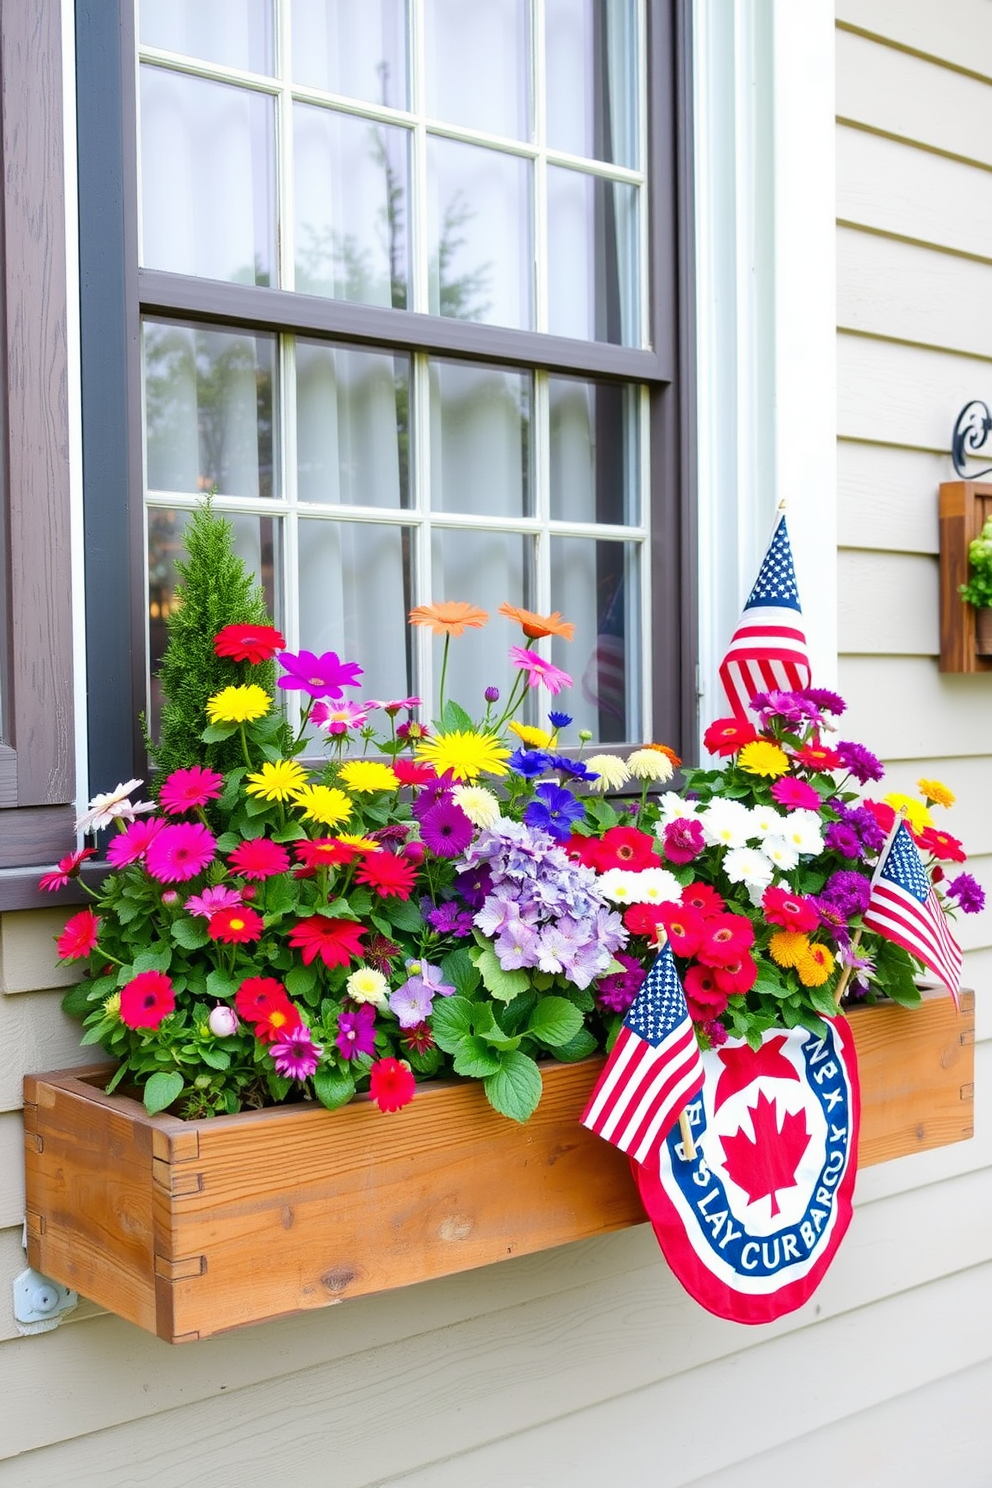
{"x": 223, "y": 1021}
{"x": 585, "y": 735}
{"x": 170, "y": 897}
{"x": 414, "y": 852}
{"x": 248, "y": 892}
{"x": 492, "y": 694}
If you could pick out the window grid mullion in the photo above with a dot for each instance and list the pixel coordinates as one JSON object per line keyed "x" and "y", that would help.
{"x": 542, "y": 501}
{"x": 540, "y": 184}
{"x": 417, "y": 224}
{"x": 643, "y": 548}
{"x": 420, "y": 478}
{"x": 285, "y": 182}
{"x": 290, "y": 545}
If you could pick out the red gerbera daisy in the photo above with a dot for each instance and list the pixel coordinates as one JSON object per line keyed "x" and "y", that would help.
{"x": 789, "y": 910}
{"x": 235, "y": 926}
{"x": 704, "y": 998}
{"x": 391, "y": 1084}
{"x": 265, "y": 1003}
{"x": 724, "y": 937}
{"x": 254, "y": 643}
{"x": 258, "y": 858}
{"x": 942, "y": 845}
{"x": 817, "y": 757}
{"x": 582, "y": 850}
{"x": 644, "y": 919}
{"x": 737, "y": 976}
{"x": 79, "y": 936}
{"x": 413, "y": 772}
{"x": 388, "y": 874}
{"x": 334, "y": 941}
{"x": 727, "y": 735}
{"x": 626, "y": 847}
{"x": 324, "y": 852}
{"x": 684, "y": 926}
{"x": 703, "y": 899}
{"x": 147, "y": 999}
{"x": 65, "y": 868}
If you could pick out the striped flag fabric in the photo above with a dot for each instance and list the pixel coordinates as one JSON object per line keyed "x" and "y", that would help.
{"x": 654, "y": 1068}
{"x": 768, "y": 649}
{"x": 903, "y": 907}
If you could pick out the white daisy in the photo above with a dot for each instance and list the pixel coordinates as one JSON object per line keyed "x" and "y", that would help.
{"x": 780, "y": 851}
{"x": 750, "y": 866}
{"x": 481, "y": 806}
{"x": 725, "y": 823}
{"x": 802, "y": 828}
{"x": 657, "y": 886}
{"x": 650, "y": 764}
{"x": 620, "y": 885}
{"x": 765, "y": 819}
{"x": 611, "y": 770}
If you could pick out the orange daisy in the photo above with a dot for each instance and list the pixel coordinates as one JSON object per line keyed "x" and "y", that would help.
{"x": 535, "y": 626}
{"x": 449, "y": 617}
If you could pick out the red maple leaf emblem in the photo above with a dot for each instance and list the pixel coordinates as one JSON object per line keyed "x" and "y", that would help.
{"x": 767, "y": 1162}
{"x": 743, "y": 1064}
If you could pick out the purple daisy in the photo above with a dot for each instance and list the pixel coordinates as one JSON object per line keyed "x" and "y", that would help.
{"x": 822, "y": 697}
{"x": 356, "y": 1031}
{"x": 863, "y": 765}
{"x": 841, "y": 838}
{"x": 445, "y": 830}
{"x": 296, "y": 1055}
{"x": 849, "y": 891}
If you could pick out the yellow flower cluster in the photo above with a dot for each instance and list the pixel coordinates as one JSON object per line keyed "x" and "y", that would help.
{"x": 238, "y": 704}
{"x": 813, "y": 962}
{"x": 465, "y": 754}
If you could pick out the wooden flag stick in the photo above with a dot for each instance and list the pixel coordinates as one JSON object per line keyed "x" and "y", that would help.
{"x": 845, "y": 975}
{"x": 688, "y": 1145}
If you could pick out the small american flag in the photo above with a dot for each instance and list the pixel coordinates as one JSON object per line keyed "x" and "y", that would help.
{"x": 655, "y": 1067}
{"x": 903, "y": 907}
{"x": 768, "y": 649}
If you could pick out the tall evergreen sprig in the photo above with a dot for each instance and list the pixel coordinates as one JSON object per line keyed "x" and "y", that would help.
{"x": 215, "y": 589}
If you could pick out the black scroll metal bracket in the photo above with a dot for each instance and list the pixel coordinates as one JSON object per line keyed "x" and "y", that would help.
{"x": 972, "y": 429}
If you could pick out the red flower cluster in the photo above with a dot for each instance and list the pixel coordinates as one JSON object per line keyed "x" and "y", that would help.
{"x": 391, "y": 1084}
{"x": 619, "y": 847}
{"x": 700, "y": 929}
{"x": 254, "y": 643}
{"x": 265, "y": 1004}
{"x": 791, "y": 911}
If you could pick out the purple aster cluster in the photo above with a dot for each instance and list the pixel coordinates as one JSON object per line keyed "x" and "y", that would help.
{"x": 849, "y": 891}
{"x": 968, "y": 893}
{"x": 542, "y": 909}
{"x": 862, "y": 764}
{"x": 859, "y": 821}
{"x": 617, "y": 991}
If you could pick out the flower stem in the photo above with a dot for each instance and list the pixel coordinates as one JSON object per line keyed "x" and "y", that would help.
{"x": 444, "y": 673}
{"x": 244, "y": 745}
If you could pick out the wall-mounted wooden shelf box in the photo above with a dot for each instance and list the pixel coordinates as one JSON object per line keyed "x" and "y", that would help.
{"x": 192, "y": 1228}
{"x": 965, "y": 506}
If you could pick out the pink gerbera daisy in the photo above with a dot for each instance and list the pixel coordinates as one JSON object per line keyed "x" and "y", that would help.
{"x": 338, "y": 718}
{"x": 211, "y": 901}
{"x": 793, "y": 794}
{"x": 538, "y": 670}
{"x": 65, "y": 869}
{"x": 295, "y": 1055}
{"x": 131, "y": 845}
{"x": 259, "y": 858}
{"x": 187, "y": 790}
{"x": 180, "y": 852}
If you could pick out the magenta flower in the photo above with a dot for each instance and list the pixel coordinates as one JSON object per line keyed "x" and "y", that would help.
{"x": 968, "y": 892}
{"x": 180, "y": 852}
{"x": 259, "y": 858}
{"x": 795, "y": 794}
{"x": 296, "y": 1054}
{"x": 338, "y": 718}
{"x": 538, "y": 670}
{"x": 445, "y": 829}
{"x": 132, "y": 844}
{"x": 65, "y": 869}
{"x": 356, "y": 1031}
{"x": 320, "y": 676}
{"x": 211, "y": 901}
{"x": 393, "y": 705}
{"x": 187, "y": 790}
{"x": 683, "y": 840}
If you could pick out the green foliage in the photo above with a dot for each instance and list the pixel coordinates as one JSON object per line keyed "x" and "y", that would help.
{"x": 215, "y": 589}
{"x": 978, "y": 590}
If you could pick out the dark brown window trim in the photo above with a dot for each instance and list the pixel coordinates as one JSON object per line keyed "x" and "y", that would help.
{"x": 19, "y": 888}
{"x": 36, "y": 758}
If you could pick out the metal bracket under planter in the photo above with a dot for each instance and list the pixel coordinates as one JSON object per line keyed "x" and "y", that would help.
{"x": 192, "y": 1228}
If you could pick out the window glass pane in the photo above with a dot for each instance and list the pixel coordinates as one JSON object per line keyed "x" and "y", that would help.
{"x": 478, "y": 64}
{"x": 354, "y": 47}
{"x": 207, "y": 182}
{"x": 256, "y": 540}
{"x": 237, "y": 33}
{"x": 592, "y": 90}
{"x": 480, "y": 440}
{"x": 480, "y": 238}
{"x": 596, "y": 584}
{"x": 208, "y": 410}
{"x": 354, "y": 597}
{"x": 352, "y": 199}
{"x": 594, "y": 451}
{"x": 487, "y": 569}
{"x": 352, "y": 426}
{"x": 593, "y": 258}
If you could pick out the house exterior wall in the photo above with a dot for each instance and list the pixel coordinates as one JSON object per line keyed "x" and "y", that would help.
{"x": 588, "y": 1364}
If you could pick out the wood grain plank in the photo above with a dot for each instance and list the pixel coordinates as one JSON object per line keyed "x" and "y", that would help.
{"x": 903, "y": 395}
{"x": 887, "y": 498}
{"x": 901, "y": 290}
{"x": 897, "y": 188}
{"x": 904, "y": 709}
{"x": 910, "y": 98}
{"x": 887, "y": 604}
{"x": 956, "y": 31}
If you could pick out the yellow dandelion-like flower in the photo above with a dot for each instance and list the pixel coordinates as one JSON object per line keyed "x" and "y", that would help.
{"x": 323, "y": 803}
{"x": 534, "y": 738}
{"x": 936, "y": 792}
{"x": 650, "y": 764}
{"x": 238, "y": 704}
{"x": 916, "y": 813}
{"x": 789, "y": 947}
{"x": 368, "y": 985}
{"x": 355, "y": 839}
{"x": 815, "y": 967}
{"x": 479, "y": 805}
{"x": 277, "y": 780}
{"x": 365, "y": 776}
{"x": 112, "y": 1005}
{"x": 465, "y": 754}
{"x": 610, "y": 768}
{"x": 763, "y": 758}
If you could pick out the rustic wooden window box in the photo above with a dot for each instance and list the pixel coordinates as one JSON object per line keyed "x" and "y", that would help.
{"x": 191, "y": 1228}
{"x": 965, "y": 645}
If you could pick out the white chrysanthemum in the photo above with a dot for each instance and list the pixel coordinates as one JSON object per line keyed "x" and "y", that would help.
{"x": 766, "y": 820}
{"x": 650, "y": 764}
{"x": 481, "y": 806}
{"x": 619, "y": 885}
{"x": 611, "y": 770}
{"x": 748, "y": 865}
{"x": 780, "y": 851}
{"x": 657, "y": 886}
{"x": 726, "y": 823}
{"x": 112, "y": 806}
{"x": 368, "y": 985}
{"x": 802, "y": 828}
{"x": 673, "y": 808}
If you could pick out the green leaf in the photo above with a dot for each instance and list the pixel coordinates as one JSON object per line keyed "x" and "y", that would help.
{"x": 428, "y": 1063}
{"x": 503, "y": 985}
{"x": 78, "y": 1001}
{"x": 220, "y": 986}
{"x": 218, "y": 1059}
{"x": 554, "y": 1021}
{"x": 582, "y": 1046}
{"x": 215, "y": 733}
{"x": 822, "y": 1000}
{"x": 895, "y": 972}
{"x": 190, "y": 934}
{"x": 475, "y": 1059}
{"x": 455, "y": 720}
{"x": 300, "y": 982}
{"x": 515, "y": 1089}
{"x": 333, "y": 1088}
{"x": 161, "y": 1090}
{"x": 451, "y": 1022}
{"x": 403, "y": 914}
{"x": 460, "y": 971}
{"x": 158, "y": 958}
{"x": 282, "y": 893}
{"x": 770, "y": 982}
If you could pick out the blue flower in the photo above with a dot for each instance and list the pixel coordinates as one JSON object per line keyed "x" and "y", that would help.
{"x": 529, "y": 762}
{"x": 559, "y": 720}
{"x": 574, "y": 769}
{"x": 554, "y": 810}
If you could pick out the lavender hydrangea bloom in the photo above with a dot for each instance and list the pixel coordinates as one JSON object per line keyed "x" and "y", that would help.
{"x": 517, "y": 946}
